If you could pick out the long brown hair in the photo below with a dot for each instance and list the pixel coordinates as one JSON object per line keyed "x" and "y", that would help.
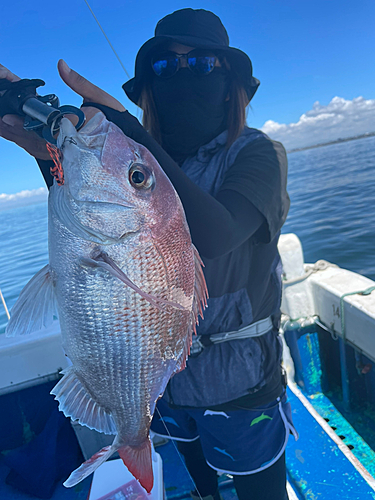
{"x": 236, "y": 118}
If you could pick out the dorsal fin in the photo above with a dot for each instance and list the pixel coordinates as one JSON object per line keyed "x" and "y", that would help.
{"x": 200, "y": 290}
{"x": 199, "y": 304}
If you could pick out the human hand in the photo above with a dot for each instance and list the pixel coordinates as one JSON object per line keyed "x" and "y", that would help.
{"x": 87, "y": 90}
{"x": 11, "y": 127}
{"x": 8, "y": 75}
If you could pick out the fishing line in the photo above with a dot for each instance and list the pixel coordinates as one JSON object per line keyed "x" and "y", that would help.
{"x": 4, "y": 304}
{"x": 96, "y": 19}
{"x": 178, "y": 453}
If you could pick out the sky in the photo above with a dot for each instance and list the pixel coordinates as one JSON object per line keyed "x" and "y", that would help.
{"x": 314, "y": 58}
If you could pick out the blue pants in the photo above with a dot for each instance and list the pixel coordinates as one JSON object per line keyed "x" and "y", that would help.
{"x": 270, "y": 484}
{"x": 239, "y": 442}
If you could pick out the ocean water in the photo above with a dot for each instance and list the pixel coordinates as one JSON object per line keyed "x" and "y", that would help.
{"x": 332, "y": 191}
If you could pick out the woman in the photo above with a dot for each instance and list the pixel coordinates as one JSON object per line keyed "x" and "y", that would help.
{"x": 227, "y": 409}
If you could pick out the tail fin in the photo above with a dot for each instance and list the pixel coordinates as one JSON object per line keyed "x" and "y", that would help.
{"x": 89, "y": 466}
{"x": 138, "y": 461}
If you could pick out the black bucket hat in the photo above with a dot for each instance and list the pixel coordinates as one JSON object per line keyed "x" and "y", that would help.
{"x": 196, "y": 28}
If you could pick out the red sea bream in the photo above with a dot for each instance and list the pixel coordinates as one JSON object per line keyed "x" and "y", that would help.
{"x": 126, "y": 283}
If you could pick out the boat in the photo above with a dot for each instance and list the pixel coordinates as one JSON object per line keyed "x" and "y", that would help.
{"x": 328, "y": 333}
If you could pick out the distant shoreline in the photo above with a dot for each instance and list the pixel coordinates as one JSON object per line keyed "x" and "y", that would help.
{"x": 337, "y": 141}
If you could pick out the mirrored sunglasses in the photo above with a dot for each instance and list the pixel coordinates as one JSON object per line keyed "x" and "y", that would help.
{"x": 198, "y": 61}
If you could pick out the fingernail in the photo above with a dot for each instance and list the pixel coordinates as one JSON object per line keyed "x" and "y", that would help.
{"x": 9, "y": 120}
{"x": 65, "y": 66}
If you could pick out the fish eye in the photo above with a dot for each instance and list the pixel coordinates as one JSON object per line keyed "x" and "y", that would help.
{"x": 140, "y": 177}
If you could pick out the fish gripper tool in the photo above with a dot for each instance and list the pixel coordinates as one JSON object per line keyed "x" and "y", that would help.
{"x": 42, "y": 114}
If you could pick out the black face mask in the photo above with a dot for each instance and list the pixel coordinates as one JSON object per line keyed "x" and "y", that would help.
{"x": 192, "y": 110}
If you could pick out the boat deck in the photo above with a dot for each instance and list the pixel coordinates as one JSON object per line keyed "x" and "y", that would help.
{"x": 318, "y": 468}
{"x": 320, "y": 465}
{"x": 333, "y": 459}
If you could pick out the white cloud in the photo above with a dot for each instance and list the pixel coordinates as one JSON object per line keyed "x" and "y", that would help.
{"x": 339, "y": 119}
{"x": 23, "y": 198}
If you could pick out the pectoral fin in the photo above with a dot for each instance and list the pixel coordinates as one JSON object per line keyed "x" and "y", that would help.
{"x": 105, "y": 262}
{"x": 36, "y": 306}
